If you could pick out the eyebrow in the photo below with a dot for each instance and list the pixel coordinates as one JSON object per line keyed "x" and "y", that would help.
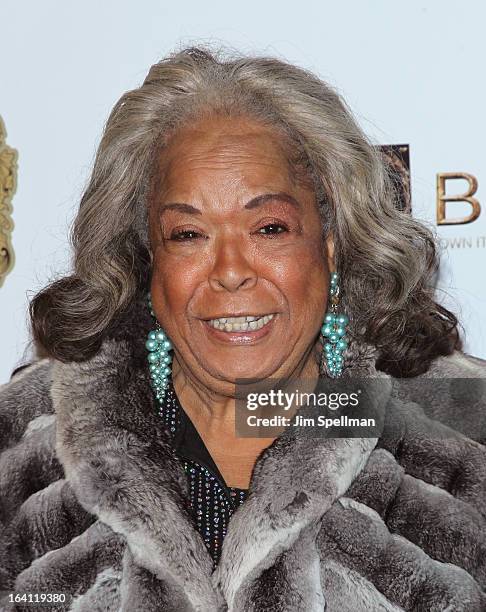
{"x": 253, "y": 203}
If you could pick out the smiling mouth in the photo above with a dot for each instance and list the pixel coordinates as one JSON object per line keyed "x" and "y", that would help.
{"x": 246, "y": 323}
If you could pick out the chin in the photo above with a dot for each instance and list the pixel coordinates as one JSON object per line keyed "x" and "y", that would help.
{"x": 240, "y": 371}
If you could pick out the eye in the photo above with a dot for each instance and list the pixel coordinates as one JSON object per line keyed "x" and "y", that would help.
{"x": 272, "y": 229}
{"x": 184, "y": 235}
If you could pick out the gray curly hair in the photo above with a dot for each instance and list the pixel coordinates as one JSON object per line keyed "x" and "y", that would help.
{"x": 386, "y": 259}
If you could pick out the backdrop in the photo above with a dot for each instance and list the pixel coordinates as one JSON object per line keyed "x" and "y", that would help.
{"x": 412, "y": 72}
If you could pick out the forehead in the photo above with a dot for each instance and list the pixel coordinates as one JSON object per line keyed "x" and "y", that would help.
{"x": 223, "y": 149}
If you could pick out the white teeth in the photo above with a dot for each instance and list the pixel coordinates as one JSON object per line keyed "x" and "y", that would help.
{"x": 247, "y": 323}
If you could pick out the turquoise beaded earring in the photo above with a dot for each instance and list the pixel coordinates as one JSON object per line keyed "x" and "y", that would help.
{"x": 158, "y": 347}
{"x": 334, "y": 332}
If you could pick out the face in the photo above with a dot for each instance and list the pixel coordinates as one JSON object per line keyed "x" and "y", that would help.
{"x": 240, "y": 270}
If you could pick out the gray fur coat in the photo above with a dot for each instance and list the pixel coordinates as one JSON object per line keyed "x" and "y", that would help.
{"x": 92, "y": 500}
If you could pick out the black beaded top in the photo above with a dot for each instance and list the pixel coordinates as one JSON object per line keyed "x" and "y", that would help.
{"x": 212, "y": 502}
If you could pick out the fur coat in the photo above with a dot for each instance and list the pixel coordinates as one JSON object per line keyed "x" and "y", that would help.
{"x": 92, "y": 501}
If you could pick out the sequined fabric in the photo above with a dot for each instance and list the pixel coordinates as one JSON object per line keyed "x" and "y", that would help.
{"x": 211, "y": 502}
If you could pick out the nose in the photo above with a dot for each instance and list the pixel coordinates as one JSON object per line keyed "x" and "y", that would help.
{"x": 232, "y": 269}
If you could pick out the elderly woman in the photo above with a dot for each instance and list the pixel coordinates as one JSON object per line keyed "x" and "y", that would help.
{"x": 242, "y": 197}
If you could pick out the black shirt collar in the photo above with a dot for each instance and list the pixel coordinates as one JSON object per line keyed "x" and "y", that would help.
{"x": 187, "y": 442}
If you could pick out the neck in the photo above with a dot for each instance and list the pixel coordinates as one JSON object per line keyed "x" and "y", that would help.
{"x": 213, "y": 415}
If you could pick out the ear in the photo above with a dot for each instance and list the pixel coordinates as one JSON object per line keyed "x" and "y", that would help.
{"x": 330, "y": 252}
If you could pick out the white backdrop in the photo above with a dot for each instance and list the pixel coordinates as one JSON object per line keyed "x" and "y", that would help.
{"x": 412, "y": 72}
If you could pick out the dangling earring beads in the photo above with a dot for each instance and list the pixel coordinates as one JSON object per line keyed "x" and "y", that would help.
{"x": 334, "y": 329}
{"x": 158, "y": 347}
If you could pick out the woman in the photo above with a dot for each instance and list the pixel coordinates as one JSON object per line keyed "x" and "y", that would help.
{"x": 243, "y": 198}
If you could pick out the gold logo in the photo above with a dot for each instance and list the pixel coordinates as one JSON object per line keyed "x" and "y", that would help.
{"x": 8, "y": 184}
{"x": 442, "y": 198}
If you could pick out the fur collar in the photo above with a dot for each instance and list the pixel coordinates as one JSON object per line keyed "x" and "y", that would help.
{"x": 117, "y": 456}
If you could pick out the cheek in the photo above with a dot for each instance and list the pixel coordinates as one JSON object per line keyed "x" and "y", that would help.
{"x": 303, "y": 279}
{"x": 173, "y": 285}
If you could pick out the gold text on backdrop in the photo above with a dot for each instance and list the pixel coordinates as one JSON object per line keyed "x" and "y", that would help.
{"x": 442, "y": 198}
{"x": 8, "y": 183}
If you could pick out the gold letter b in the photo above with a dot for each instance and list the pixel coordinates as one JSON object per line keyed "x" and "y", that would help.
{"x": 466, "y": 197}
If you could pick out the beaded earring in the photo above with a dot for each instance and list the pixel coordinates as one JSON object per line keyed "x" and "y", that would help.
{"x": 158, "y": 347}
{"x": 334, "y": 330}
